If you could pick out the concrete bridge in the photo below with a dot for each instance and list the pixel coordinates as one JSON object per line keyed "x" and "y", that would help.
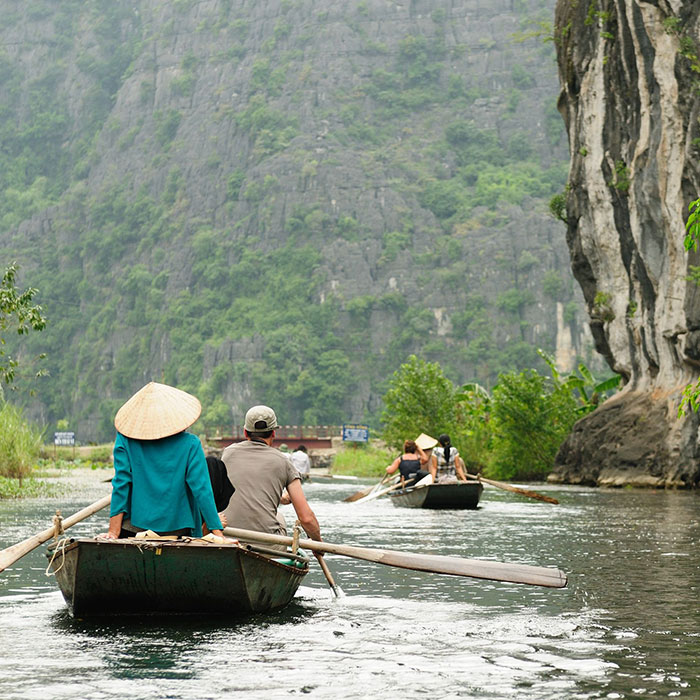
{"x": 314, "y": 437}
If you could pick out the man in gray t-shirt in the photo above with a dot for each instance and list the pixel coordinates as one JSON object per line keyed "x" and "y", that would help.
{"x": 260, "y": 473}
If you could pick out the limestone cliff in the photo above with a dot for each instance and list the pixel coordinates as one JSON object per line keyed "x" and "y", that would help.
{"x": 628, "y": 71}
{"x": 278, "y": 201}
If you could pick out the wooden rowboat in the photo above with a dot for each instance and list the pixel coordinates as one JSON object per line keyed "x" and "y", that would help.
{"x": 459, "y": 496}
{"x": 100, "y": 577}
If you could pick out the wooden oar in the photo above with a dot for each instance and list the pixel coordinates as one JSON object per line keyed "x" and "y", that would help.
{"x": 11, "y": 554}
{"x": 365, "y": 492}
{"x": 377, "y": 494}
{"x": 329, "y": 576}
{"x": 433, "y": 563}
{"x": 321, "y": 562}
{"x": 514, "y": 489}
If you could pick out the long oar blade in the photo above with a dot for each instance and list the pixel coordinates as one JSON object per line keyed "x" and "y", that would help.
{"x": 359, "y": 494}
{"x": 377, "y": 494}
{"x": 515, "y": 489}
{"x": 434, "y": 563}
{"x": 365, "y": 492}
{"x": 11, "y": 554}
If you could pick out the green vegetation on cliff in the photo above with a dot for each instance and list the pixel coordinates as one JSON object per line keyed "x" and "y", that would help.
{"x": 279, "y": 206}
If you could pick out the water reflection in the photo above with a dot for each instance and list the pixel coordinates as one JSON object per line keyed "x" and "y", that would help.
{"x": 627, "y": 625}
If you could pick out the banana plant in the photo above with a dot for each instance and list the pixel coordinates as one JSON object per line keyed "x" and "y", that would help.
{"x": 473, "y": 393}
{"x": 590, "y": 390}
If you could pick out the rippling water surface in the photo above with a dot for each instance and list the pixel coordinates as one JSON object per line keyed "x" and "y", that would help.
{"x": 628, "y": 625}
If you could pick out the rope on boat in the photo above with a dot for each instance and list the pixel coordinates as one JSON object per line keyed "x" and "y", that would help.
{"x": 60, "y": 545}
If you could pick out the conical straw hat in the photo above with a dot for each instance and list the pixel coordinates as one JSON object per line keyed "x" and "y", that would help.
{"x": 425, "y": 442}
{"x": 156, "y": 411}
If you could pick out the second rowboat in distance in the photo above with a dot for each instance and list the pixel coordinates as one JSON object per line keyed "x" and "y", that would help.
{"x": 457, "y": 496}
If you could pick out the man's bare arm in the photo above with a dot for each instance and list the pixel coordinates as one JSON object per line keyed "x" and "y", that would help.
{"x": 303, "y": 510}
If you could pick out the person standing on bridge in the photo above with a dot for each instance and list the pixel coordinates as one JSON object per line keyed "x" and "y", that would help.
{"x": 261, "y": 473}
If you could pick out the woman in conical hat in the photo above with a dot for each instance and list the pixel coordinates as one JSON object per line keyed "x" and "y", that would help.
{"x": 426, "y": 443}
{"x": 161, "y": 480}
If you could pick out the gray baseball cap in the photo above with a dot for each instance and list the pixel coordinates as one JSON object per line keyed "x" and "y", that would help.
{"x": 260, "y": 419}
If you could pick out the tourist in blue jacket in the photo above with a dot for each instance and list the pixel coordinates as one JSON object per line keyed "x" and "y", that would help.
{"x": 161, "y": 480}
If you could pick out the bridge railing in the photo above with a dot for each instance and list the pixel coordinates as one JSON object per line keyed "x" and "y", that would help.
{"x": 297, "y": 431}
{"x": 318, "y": 436}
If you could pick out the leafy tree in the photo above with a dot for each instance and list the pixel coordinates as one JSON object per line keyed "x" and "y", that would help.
{"x": 513, "y": 300}
{"x": 692, "y": 226}
{"x": 513, "y": 433}
{"x": 474, "y": 434}
{"x": 530, "y": 417}
{"x": 557, "y": 207}
{"x": 552, "y": 284}
{"x": 442, "y": 197}
{"x": 18, "y": 312}
{"x": 420, "y": 399}
{"x": 217, "y": 415}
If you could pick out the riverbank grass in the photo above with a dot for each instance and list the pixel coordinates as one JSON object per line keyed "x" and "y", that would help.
{"x": 83, "y": 455}
{"x": 49, "y": 465}
{"x": 29, "y": 487}
{"x": 362, "y": 460}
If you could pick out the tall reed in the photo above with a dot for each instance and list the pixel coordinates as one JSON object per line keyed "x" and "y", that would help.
{"x": 19, "y": 443}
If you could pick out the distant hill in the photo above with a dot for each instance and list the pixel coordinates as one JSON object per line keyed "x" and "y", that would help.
{"x": 280, "y": 201}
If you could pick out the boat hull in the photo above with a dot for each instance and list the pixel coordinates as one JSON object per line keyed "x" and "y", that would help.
{"x": 136, "y": 577}
{"x": 459, "y": 496}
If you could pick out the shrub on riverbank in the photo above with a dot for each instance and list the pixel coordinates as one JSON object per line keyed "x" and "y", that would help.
{"x": 19, "y": 443}
{"x": 420, "y": 399}
{"x": 362, "y": 460}
{"x": 531, "y": 416}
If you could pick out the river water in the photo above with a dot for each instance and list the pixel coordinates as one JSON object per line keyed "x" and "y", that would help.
{"x": 628, "y": 624}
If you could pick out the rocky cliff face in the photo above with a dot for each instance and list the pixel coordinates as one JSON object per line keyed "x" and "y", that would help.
{"x": 278, "y": 201}
{"x": 629, "y": 76}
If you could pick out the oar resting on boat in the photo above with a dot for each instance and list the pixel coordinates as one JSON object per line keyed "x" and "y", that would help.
{"x": 433, "y": 563}
{"x": 15, "y": 552}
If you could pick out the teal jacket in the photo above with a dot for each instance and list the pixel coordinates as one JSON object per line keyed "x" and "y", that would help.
{"x": 164, "y": 484}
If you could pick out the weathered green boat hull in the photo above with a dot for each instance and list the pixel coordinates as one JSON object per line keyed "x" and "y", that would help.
{"x": 132, "y": 577}
{"x": 459, "y": 496}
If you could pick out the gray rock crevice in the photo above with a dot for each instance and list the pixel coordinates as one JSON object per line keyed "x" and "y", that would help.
{"x": 630, "y": 103}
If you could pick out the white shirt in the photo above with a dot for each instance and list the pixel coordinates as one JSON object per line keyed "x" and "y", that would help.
{"x": 301, "y": 462}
